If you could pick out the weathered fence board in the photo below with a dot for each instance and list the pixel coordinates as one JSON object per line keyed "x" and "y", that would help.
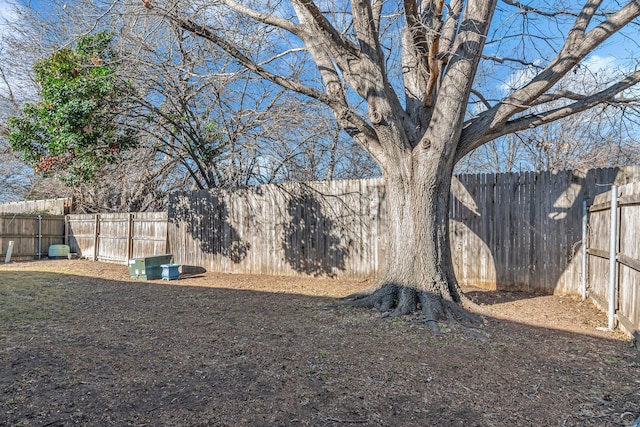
{"x": 113, "y": 237}
{"x": 148, "y": 234}
{"x": 59, "y": 206}
{"x": 82, "y": 231}
{"x": 117, "y": 237}
{"x": 23, "y": 230}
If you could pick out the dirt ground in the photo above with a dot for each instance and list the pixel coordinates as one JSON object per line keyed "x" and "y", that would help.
{"x": 82, "y": 343}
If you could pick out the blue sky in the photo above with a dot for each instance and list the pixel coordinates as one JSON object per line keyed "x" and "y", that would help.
{"x": 616, "y": 54}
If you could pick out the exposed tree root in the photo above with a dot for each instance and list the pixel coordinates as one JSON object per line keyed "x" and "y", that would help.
{"x": 394, "y": 300}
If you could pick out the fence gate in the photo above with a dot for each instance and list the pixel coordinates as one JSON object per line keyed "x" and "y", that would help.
{"x": 32, "y": 234}
{"x": 614, "y": 255}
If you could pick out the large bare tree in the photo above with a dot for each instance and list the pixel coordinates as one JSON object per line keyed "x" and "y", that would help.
{"x": 399, "y": 77}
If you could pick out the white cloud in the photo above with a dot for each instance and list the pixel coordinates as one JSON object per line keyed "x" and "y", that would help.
{"x": 597, "y": 63}
{"x": 519, "y": 78}
{"x": 7, "y": 13}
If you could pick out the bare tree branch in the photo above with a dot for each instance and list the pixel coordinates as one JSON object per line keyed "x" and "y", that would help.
{"x": 530, "y": 9}
{"x": 582, "y": 104}
{"x": 376, "y": 9}
{"x": 10, "y": 96}
{"x": 577, "y": 46}
{"x": 267, "y": 18}
{"x": 502, "y": 60}
{"x": 450, "y": 29}
{"x": 206, "y": 33}
{"x": 481, "y": 97}
{"x": 342, "y": 46}
{"x": 281, "y": 55}
{"x": 364, "y": 21}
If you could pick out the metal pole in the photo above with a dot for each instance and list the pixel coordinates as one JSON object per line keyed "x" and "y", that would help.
{"x": 39, "y": 236}
{"x": 585, "y": 211}
{"x": 7, "y": 258}
{"x": 613, "y": 252}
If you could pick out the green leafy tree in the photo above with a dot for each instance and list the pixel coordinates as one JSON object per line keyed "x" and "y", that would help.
{"x": 79, "y": 125}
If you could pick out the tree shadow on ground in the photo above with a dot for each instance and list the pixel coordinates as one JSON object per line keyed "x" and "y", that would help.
{"x": 311, "y": 243}
{"x": 96, "y": 351}
{"x": 487, "y": 297}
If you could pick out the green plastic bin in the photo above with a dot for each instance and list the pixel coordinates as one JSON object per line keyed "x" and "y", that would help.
{"x": 58, "y": 251}
{"x": 148, "y": 268}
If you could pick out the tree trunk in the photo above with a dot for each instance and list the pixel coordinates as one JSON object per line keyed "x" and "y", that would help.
{"x": 418, "y": 271}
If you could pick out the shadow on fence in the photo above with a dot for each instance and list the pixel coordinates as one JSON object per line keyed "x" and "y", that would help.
{"x": 205, "y": 218}
{"x": 271, "y": 229}
{"x": 311, "y": 244}
{"x": 524, "y": 230}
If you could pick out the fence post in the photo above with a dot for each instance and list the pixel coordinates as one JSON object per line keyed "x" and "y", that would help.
{"x": 130, "y": 238}
{"x": 613, "y": 252}
{"x": 95, "y": 238}
{"x": 585, "y": 243}
{"x": 7, "y": 258}
{"x": 39, "y": 236}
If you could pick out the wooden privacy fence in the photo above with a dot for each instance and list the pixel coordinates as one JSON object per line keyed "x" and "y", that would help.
{"x": 323, "y": 228}
{"x": 117, "y": 237}
{"x": 524, "y": 230}
{"x": 59, "y": 206}
{"x": 623, "y": 280}
{"x": 32, "y": 234}
{"x": 520, "y": 230}
{"x": 507, "y": 230}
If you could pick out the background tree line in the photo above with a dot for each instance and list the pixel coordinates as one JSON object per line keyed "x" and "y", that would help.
{"x": 192, "y": 118}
